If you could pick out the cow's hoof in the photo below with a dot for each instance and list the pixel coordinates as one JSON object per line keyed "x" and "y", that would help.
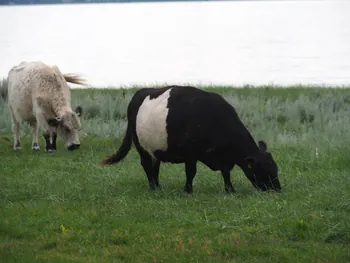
{"x": 188, "y": 188}
{"x": 188, "y": 191}
{"x": 35, "y": 147}
{"x": 230, "y": 190}
{"x": 50, "y": 150}
{"x": 17, "y": 146}
{"x": 151, "y": 189}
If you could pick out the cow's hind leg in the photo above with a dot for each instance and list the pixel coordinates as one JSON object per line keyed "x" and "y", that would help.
{"x": 35, "y": 131}
{"x": 156, "y": 166}
{"x": 227, "y": 180}
{"x": 17, "y": 144}
{"x": 15, "y": 130}
{"x": 191, "y": 170}
{"x": 151, "y": 168}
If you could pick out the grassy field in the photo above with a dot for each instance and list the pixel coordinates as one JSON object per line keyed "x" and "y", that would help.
{"x": 64, "y": 207}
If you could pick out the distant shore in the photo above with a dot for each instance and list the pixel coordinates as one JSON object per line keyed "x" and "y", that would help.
{"x": 64, "y": 2}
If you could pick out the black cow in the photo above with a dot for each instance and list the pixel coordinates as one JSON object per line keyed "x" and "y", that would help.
{"x": 183, "y": 124}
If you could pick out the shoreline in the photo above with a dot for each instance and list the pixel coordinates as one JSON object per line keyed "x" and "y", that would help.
{"x": 215, "y": 86}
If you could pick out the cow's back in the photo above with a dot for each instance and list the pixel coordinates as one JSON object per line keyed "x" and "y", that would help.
{"x": 205, "y": 124}
{"x": 177, "y": 120}
{"x": 20, "y": 91}
{"x": 26, "y": 82}
{"x": 202, "y": 117}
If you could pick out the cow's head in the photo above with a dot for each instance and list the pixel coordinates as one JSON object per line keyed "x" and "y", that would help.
{"x": 265, "y": 170}
{"x": 68, "y": 126}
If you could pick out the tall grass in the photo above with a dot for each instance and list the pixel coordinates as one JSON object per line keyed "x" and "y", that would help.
{"x": 317, "y": 116}
{"x": 3, "y": 90}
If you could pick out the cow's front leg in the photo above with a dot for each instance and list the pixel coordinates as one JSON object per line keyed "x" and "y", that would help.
{"x": 49, "y": 131}
{"x": 227, "y": 180}
{"x": 54, "y": 138}
{"x": 50, "y": 143}
{"x": 35, "y": 131}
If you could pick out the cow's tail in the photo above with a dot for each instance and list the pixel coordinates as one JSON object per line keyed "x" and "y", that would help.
{"x": 74, "y": 78}
{"x": 6, "y": 138}
{"x": 123, "y": 149}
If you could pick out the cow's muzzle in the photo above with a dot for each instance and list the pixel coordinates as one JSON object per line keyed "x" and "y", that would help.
{"x": 73, "y": 147}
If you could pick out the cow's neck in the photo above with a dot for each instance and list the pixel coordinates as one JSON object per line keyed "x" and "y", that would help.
{"x": 61, "y": 102}
{"x": 245, "y": 145}
{"x": 60, "y": 111}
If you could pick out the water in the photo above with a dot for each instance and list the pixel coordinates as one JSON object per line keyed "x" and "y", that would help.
{"x": 239, "y": 42}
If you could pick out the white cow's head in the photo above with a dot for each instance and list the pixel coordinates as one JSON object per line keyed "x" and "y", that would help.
{"x": 68, "y": 126}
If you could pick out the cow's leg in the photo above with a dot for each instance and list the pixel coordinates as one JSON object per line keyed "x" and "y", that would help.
{"x": 150, "y": 169}
{"x": 48, "y": 136}
{"x": 54, "y": 138}
{"x": 17, "y": 143}
{"x": 156, "y": 166}
{"x": 15, "y": 130}
{"x": 191, "y": 170}
{"x": 35, "y": 131}
{"x": 227, "y": 180}
{"x": 48, "y": 132}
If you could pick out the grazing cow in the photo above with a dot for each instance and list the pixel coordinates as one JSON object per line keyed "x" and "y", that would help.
{"x": 39, "y": 95}
{"x": 183, "y": 124}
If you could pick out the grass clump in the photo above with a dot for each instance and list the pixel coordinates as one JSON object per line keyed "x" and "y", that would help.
{"x": 64, "y": 207}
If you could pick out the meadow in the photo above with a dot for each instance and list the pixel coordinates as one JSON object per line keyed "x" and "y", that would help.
{"x": 64, "y": 207}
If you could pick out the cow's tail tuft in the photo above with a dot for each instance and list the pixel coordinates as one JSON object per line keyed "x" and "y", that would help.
{"x": 122, "y": 151}
{"x": 74, "y": 78}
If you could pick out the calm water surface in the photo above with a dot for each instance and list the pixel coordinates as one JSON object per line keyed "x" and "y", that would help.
{"x": 239, "y": 42}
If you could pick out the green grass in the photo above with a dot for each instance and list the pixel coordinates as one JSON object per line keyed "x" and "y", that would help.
{"x": 64, "y": 207}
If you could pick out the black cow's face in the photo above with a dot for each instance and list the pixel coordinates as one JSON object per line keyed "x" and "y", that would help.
{"x": 265, "y": 170}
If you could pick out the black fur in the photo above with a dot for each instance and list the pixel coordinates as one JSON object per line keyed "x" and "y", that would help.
{"x": 53, "y": 122}
{"x": 50, "y": 147}
{"x": 79, "y": 111}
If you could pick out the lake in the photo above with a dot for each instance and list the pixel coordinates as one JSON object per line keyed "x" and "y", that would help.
{"x": 223, "y": 43}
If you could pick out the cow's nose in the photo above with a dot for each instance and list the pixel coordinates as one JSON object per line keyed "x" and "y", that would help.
{"x": 73, "y": 147}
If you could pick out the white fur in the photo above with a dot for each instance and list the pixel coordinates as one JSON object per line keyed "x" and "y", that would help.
{"x": 151, "y": 123}
{"x": 25, "y": 85}
{"x": 36, "y": 93}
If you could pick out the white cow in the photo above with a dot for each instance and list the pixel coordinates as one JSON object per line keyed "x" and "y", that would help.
{"x": 39, "y": 95}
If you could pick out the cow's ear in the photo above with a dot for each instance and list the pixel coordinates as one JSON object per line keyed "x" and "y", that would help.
{"x": 54, "y": 122}
{"x": 251, "y": 161}
{"x": 79, "y": 111}
{"x": 75, "y": 122}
